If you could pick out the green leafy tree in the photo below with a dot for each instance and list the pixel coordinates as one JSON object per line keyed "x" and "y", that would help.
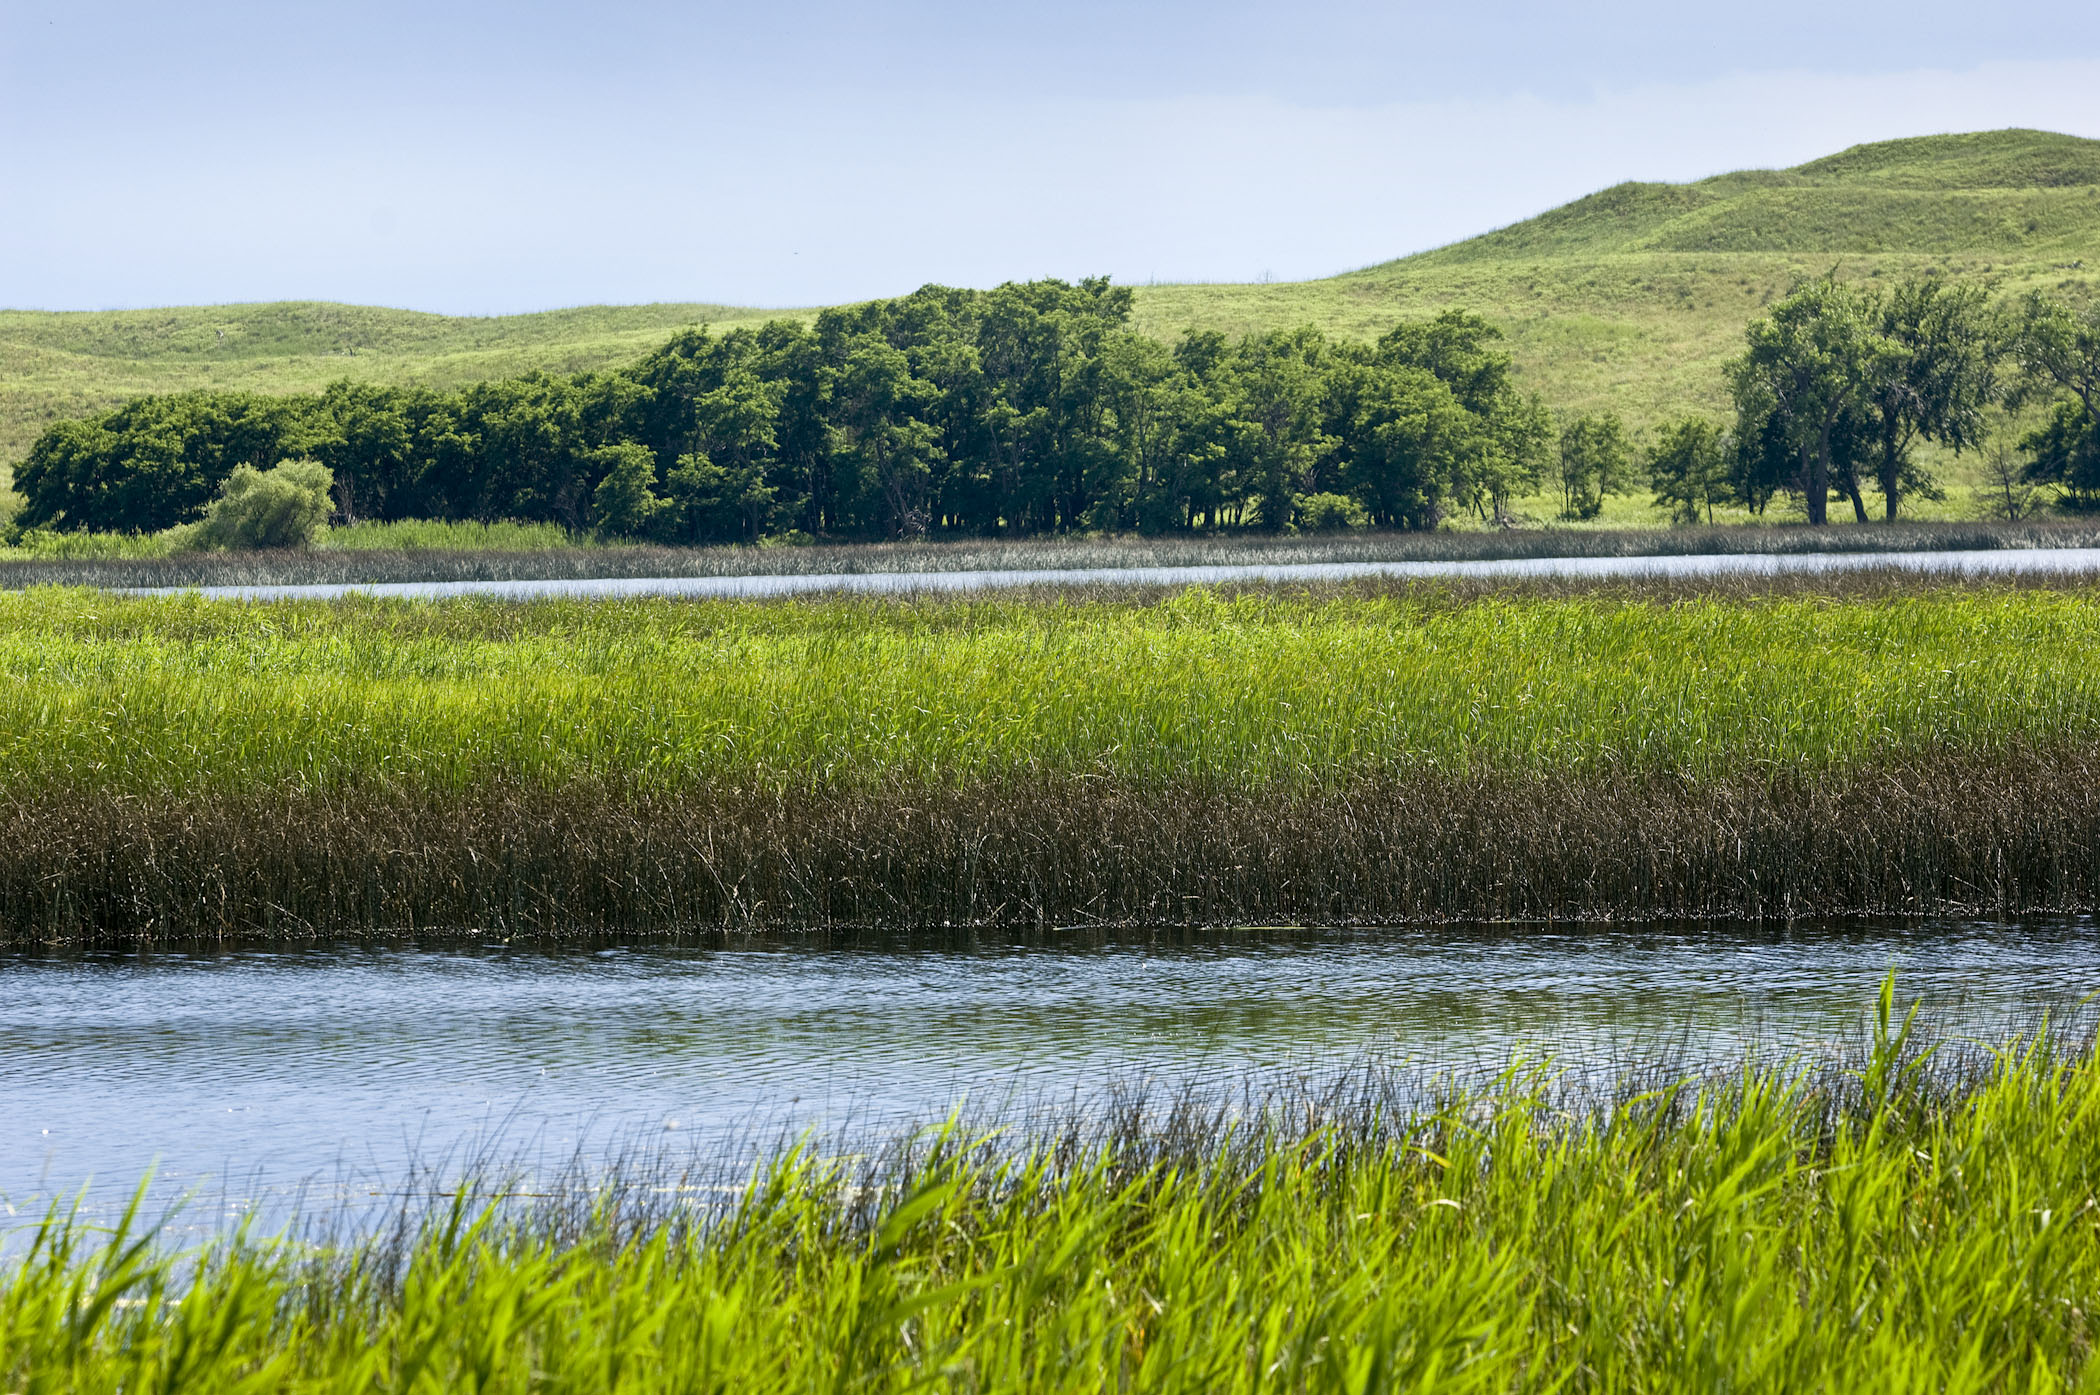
{"x": 625, "y": 503}
{"x": 2057, "y": 347}
{"x": 883, "y": 441}
{"x": 155, "y": 462}
{"x": 1508, "y": 455}
{"x": 2064, "y": 454}
{"x": 1403, "y": 440}
{"x": 1934, "y": 380}
{"x": 709, "y": 503}
{"x": 1688, "y": 468}
{"x": 1595, "y": 457}
{"x": 1330, "y": 513}
{"x": 285, "y": 506}
{"x": 1807, "y": 365}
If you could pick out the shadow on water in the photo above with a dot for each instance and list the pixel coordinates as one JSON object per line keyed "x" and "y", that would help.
{"x": 306, "y": 1079}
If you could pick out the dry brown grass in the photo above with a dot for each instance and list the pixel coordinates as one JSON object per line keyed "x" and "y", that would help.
{"x": 2010, "y": 832}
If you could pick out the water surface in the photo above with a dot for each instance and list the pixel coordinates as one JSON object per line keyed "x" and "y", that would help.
{"x": 247, "y": 1076}
{"x": 2055, "y": 561}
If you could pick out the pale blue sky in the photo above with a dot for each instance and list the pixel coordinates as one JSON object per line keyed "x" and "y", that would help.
{"x": 477, "y": 157}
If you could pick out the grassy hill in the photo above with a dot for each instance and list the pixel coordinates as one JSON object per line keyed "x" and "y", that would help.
{"x": 1630, "y": 298}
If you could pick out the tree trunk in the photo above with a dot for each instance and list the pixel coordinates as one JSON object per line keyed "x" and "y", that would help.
{"x": 1891, "y": 469}
{"x": 1815, "y": 468}
{"x": 1859, "y": 503}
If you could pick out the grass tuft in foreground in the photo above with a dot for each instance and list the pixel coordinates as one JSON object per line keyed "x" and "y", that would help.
{"x": 1913, "y": 1223}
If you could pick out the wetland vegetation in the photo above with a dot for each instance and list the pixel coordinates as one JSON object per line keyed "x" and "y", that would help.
{"x": 1892, "y": 1219}
{"x": 1899, "y": 321}
{"x": 180, "y": 767}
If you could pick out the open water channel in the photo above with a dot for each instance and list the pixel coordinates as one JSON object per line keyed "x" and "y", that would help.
{"x": 2025, "y": 561}
{"x": 268, "y": 1080}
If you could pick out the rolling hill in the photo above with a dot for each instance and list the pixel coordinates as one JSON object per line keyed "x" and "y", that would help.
{"x": 1629, "y": 298}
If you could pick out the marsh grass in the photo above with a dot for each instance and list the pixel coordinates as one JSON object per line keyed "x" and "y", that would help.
{"x": 181, "y": 769}
{"x": 436, "y": 551}
{"x": 1260, "y": 689}
{"x": 1897, "y": 1220}
{"x": 2014, "y": 831}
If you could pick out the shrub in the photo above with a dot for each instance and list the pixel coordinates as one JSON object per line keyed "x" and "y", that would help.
{"x": 285, "y": 506}
{"x": 1331, "y": 513}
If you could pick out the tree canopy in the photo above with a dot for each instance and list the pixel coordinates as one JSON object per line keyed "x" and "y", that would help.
{"x": 1029, "y": 409}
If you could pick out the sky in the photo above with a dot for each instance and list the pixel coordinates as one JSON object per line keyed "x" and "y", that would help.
{"x": 474, "y": 157}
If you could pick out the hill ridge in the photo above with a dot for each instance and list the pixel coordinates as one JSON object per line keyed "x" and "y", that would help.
{"x": 1996, "y": 190}
{"x": 1628, "y": 299}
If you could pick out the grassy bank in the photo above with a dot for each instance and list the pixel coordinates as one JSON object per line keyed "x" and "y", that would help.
{"x": 1908, "y": 1224}
{"x": 177, "y": 767}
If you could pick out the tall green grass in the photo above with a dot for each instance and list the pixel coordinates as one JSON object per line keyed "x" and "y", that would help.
{"x": 174, "y": 768}
{"x": 1906, "y": 1226}
{"x": 1266, "y": 687}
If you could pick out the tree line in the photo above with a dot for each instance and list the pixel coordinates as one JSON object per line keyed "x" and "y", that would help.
{"x": 1029, "y": 409}
{"x": 1035, "y": 409}
{"x": 1839, "y": 384}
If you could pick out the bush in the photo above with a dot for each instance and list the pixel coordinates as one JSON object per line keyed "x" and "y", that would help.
{"x": 1331, "y": 513}
{"x": 286, "y": 506}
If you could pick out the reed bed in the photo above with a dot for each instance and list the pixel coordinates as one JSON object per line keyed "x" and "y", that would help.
{"x": 1898, "y": 1221}
{"x": 2013, "y": 832}
{"x": 181, "y": 768}
{"x": 436, "y": 551}
{"x": 1268, "y": 688}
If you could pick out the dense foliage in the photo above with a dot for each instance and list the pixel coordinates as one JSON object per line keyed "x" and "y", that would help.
{"x": 1037, "y": 410}
{"x": 1030, "y": 409}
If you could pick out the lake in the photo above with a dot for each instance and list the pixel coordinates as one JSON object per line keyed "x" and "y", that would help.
{"x": 264, "y": 1078}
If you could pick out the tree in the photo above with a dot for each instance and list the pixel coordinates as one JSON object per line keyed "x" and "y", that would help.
{"x": 1330, "y": 513}
{"x": 1805, "y": 366}
{"x": 284, "y": 506}
{"x": 1508, "y": 455}
{"x": 155, "y": 461}
{"x": 709, "y": 503}
{"x": 2057, "y": 347}
{"x": 625, "y": 503}
{"x": 2005, "y": 492}
{"x": 2064, "y": 452}
{"x": 1278, "y": 384}
{"x": 1595, "y": 455}
{"x": 1936, "y": 376}
{"x": 1402, "y": 441}
{"x": 882, "y": 439}
{"x": 1688, "y": 467}
{"x": 1762, "y": 464}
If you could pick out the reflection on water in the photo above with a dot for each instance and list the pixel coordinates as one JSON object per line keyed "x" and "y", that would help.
{"x": 259, "y": 1070}
{"x": 2072, "y": 561}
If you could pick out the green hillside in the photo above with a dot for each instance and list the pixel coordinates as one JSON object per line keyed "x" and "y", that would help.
{"x": 1629, "y": 298}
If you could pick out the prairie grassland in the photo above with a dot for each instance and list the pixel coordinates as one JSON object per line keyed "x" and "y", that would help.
{"x": 178, "y": 768}
{"x": 1907, "y": 1223}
